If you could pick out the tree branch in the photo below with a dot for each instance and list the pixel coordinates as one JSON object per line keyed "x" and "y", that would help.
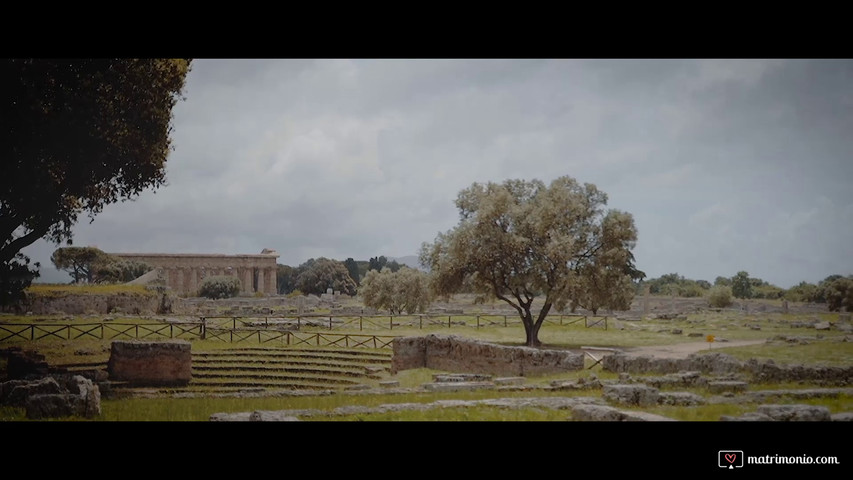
{"x": 8, "y": 251}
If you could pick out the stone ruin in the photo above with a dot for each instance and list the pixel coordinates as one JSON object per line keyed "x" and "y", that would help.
{"x": 164, "y": 363}
{"x": 720, "y": 363}
{"x": 51, "y": 397}
{"x": 457, "y": 354}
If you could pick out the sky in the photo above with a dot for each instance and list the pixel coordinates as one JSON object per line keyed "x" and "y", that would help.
{"x": 725, "y": 164}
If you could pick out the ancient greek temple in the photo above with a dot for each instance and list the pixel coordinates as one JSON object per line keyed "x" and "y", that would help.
{"x": 184, "y": 272}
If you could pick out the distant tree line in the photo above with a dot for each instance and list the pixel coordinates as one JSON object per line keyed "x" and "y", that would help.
{"x": 835, "y": 290}
{"x": 315, "y": 276}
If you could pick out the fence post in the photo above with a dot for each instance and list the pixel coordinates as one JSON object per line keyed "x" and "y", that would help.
{"x": 259, "y": 337}
{"x": 234, "y": 319}
{"x": 203, "y": 328}
{"x": 505, "y": 321}
{"x": 137, "y": 331}
{"x": 391, "y": 322}
{"x": 102, "y": 331}
{"x": 421, "y": 321}
{"x": 330, "y": 322}
{"x": 448, "y": 321}
{"x": 360, "y": 327}
{"x": 298, "y": 322}
{"x": 171, "y": 333}
{"x": 478, "y": 322}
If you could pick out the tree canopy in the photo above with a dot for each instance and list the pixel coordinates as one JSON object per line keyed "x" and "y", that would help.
{"x": 91, "y": 265}
{"x": 406, "y": 290}
{"x": 520, "y": 239}
{"x": 78, "y": 135}
{"x": 741, "y": 286}
{"x": 320, "y": 274}
{"x": 380, "y": 262}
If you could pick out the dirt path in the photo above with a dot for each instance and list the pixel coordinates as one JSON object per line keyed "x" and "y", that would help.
{"x": 682, "y": 350}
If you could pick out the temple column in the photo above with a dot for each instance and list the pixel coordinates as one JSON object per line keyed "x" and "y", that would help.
{"x": 247, "y": 280}
{"x": 273, "y": 288}
{"x": 193, "y": 281}
{"x": 171, "y": 277}
{"x": 261, "y": 280}
{"x": 180, "y": 281}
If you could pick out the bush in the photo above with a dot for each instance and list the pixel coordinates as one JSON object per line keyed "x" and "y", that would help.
{"x": 720, "y": 296}
{"x": 220, "y": 287}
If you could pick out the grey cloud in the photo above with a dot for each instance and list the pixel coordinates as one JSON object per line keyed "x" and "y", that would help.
{"x": 723, "y": 163}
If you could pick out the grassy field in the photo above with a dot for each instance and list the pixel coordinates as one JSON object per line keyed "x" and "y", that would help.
{"x": 61, "y": 290}
{"x": 791, "y": 340}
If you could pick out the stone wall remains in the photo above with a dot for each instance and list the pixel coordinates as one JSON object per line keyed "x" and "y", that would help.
{"x": 720, "y": 363}
{"x": 166, "y": 363}
{"x": 94, "y": 303}
{"x": 456, "y": 354}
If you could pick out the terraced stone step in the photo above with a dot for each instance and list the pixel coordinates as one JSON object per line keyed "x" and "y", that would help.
{"x": 294, "y": 353}
{"x": 311, "y": 349}
{"x": 201, "y": 372}
{"x": 286, "y": 361}
{"x": 277, "y": 383}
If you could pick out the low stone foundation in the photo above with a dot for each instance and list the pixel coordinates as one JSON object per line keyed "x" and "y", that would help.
{"x": 457, "y": 354}
{"x": 167, "y": 363}
{"x": 51, "y": 397}
{"x": 720, "y": 363}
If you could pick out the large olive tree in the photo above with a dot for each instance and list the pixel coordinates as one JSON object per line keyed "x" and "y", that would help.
{"x": 522, "y": 239}
{"x": 76, "y": 135}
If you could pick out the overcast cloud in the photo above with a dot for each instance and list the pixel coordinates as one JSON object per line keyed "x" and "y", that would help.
{"x": 726, "y": 165}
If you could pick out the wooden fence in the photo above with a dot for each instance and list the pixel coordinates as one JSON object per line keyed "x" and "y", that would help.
{"x": 332, "y": 322}
{"x": 234, "y": 329}
{"x": 187, "y": 331}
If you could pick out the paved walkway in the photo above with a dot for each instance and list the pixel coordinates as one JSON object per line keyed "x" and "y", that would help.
{"x": 682, "y": 350}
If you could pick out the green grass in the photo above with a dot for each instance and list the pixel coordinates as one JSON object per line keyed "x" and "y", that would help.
{"x": 62, "y": 290}
{"x": 823, "y": 347}
{"x": 829, "y": 352}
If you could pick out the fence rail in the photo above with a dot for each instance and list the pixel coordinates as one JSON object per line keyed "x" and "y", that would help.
{"x": 112, "y": 331}
{"x": 389, "y": 322}
{"x": 267, "y": 329}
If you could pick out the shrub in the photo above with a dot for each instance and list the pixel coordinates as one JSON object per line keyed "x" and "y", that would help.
{"x": 220, "y": 287}
{"x": 720, "y": 296}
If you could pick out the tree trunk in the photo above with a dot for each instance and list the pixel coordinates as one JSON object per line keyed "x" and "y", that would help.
{"x": 531, "y": 330}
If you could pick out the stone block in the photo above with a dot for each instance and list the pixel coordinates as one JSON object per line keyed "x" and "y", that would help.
{"x": 510, "y": 381}
{"x": 727, "y": 386}
{"x": 457, "y": 354}
{"x": 457, "y": 386}
{"x": 167, "y": 363}
{"x": 795, "y": 413}
{"x": 634, "y": 394}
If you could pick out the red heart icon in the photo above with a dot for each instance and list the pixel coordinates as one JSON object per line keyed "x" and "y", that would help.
{"x": 730, "y": 457}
